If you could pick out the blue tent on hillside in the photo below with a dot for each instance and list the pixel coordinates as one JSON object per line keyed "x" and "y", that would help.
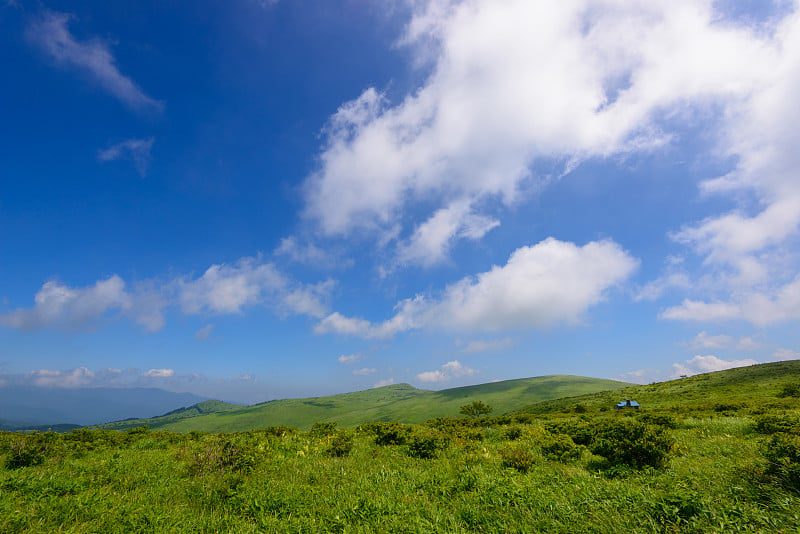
{"x": 627, "y": 403}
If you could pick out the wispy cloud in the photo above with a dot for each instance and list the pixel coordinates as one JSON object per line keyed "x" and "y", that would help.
{"x": 204, "y": 333}
{"x": 50, "y": 33}
{"x": 493, "y": 345}
{"x": 365, "y": 371}
{"x": 349, "y": 359}
{"x": 136, "y": 150}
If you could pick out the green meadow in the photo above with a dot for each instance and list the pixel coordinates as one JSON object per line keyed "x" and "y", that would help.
{"x": 712, "y": 453}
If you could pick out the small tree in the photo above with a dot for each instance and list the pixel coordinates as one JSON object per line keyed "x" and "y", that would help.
{"x": 476, "y": 409}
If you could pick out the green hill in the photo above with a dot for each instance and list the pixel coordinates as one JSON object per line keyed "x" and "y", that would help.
{"x": 754, "y": 388}
{"x": 401, "y": 403}
{"x": 201, "y": 408}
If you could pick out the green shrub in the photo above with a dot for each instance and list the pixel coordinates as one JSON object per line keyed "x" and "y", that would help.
{"x": 340, "y": 444}
{"x": 425, "y": 443}
{"x": 513, "y": 432}
{"x": 782, "y": 452}
{"x": 26, "y": 450}
{"x": 667, "y": 421}
{"x": 518, "y": 458}
{"x": 221, "y": 454}
{"x": 389, "y": 433}
{"x": 320, "y": 430}
{"x": 580, "y": 408}
{"x": 559, "y": 447}
{"x": 631, "y": 443}
{"x": 280, "y": 431}
{"x": 772, "y": 423}
{"x": 790, "y": 390}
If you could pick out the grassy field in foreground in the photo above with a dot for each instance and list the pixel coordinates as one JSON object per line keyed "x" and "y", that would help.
{"x": 400, "y": 403}
{"x": 730, "y": 464}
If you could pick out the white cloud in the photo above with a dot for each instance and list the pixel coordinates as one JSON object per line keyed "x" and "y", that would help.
{"x": 92, "y": 58}
{"x": 57, "y": 305}
{"x": 159, "y": 373}
{"x": 222, "y": 289}
{"x": 759, "y": 308}
{"x": 786, "y": 354}
{"x": 349, "y": 359}
{"x": 136, "y": 150}
{"x": 365, "y": 371}
{"x": 204, "y": 333}
{"x": 705, "y": 341}
{"x": 73, "y": 378}
{"x": 540, "y": 286}
{"x": 384, "y": 382}
{"x": 494, "y": 345}
{"x": 430, "y": 242}
{"x": 475, "y": 127}
{"x": 749, "y": 253}
{"x": 747, "y": 343}
{"x": 307, "y": 253}
{"x": 707, "y": 364}
{"x": 450, "y": 370}
{"x": 227, "y": 288}
{"x": 308, "y": 300}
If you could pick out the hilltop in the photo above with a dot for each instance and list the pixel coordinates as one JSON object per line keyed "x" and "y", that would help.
{"x": 754, "y": 388}
{"x": 400, "y": 403}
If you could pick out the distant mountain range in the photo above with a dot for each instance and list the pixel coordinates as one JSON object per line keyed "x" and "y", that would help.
{"x": 30, "y": 406}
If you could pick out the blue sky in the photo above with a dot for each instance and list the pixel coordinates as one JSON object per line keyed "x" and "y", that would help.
{"x": 262, "y": 199}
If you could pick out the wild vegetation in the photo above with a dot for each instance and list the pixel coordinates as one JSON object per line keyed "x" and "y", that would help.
{"x": 726, "y": 461}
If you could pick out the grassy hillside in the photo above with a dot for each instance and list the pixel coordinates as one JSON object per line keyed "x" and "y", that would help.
{"x": 714, "y": 453}
{"x": 401, "y": 403}
{"x": 201, "y": 408}
{"x": 753, "y": 389}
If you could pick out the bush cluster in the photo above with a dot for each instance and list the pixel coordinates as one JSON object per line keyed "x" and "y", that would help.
{"x": 782, "y": 453}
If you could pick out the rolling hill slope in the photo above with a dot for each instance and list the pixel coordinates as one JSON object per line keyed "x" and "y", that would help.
{"x": 752, "y": 388}
{"x": 400, "y": 402}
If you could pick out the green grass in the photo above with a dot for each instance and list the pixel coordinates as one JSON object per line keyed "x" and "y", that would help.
{"x": 744, "y": 389}
{"x": 401, "y": 403}
{"x": 539, "y": 471}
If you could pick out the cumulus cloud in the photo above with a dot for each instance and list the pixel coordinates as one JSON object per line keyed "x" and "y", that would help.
{"x": 707, "y": 364}
{"x": 159, "y": 373}
{"x": 475, "y": 127}
{"x": 227, "y": 288}
{"x": 56, "y": 304}
{"x": 73, "y": 378}
{"x": 448, "y": 371}
{"x": 550, "y": 283}
{"x": 221, "y": 289}
{"x": 136, "y": 150}
{"x": 92, "y": 58}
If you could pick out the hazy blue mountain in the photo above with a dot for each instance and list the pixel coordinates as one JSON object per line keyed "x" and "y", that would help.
{"x": 29, "y": 405}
